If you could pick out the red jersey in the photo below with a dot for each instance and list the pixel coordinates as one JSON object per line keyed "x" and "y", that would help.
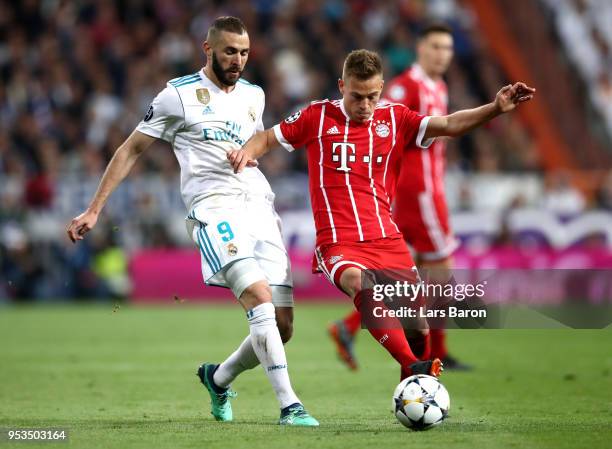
{"x": 350, "y": 164}
{"x": 420, "y": 209}
{"x": 421, "y": 170}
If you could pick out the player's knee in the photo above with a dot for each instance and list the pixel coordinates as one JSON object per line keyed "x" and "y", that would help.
{"x": 248, "y": 283}
{"x": 350, "y": 281}
{"x": 256, "y": 294}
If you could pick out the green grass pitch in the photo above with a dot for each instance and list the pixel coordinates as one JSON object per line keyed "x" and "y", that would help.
{"x": 126, "y": 379}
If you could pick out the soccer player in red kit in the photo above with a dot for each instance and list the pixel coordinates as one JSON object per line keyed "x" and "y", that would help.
{"x": 354, "y": 147}
{"x": 420, "y": 209}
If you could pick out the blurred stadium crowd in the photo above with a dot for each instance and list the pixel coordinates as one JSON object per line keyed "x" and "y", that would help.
{"x": 585, "y": 28}
{"x": 77, "y": 76}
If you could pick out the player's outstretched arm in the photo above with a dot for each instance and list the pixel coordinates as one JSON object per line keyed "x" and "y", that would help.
{"x": 256, "y": 146}
{"x": 117, "y": 169}
{"x": 460, "y": 122}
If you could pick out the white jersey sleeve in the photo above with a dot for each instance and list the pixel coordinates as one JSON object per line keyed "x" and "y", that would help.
{"x": 165, "y": 115}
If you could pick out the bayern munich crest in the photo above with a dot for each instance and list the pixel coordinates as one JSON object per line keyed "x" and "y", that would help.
{"x": 382, "y": 129}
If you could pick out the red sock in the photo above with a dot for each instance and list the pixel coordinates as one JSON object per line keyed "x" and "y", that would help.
{"x": 421, "y": 346}
{"x": 393, "y": 340}
{"x": 352, "y": 322}
{"x": 438, "y": 343}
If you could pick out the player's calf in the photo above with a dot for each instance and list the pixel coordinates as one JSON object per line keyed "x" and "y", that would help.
{"x": 267, "y": 342}
{"x": 284, "y": 322}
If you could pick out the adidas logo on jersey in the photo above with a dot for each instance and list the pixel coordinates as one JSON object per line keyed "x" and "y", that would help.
{"x": 207, "y": 110}
{"x": 334, "y": 259}
{"x": 333, "y": 130}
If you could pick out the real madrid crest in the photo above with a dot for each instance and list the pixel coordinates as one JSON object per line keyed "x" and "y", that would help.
{"x": 252, "y": 114}
{"x": 203, "y": 95}
{"x": 232, "y": 249}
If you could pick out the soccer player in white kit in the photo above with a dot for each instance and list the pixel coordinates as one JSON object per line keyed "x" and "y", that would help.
{"x": 231, "y": 217}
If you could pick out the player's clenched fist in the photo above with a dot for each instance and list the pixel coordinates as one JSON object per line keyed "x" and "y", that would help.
{"x": 80, "y": 225}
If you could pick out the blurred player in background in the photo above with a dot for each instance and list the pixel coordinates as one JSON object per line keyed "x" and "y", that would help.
{"x": 419, "y": 209}
{"x": 231, "y": 216}
{"x": 355, "y": 146}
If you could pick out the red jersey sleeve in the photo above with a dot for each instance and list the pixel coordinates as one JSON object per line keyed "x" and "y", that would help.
{"x": 296, "y": 130}
{"x": 412, "y": 126}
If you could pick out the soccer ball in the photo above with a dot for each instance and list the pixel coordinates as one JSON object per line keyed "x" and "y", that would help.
{"x": 420, "y": 402}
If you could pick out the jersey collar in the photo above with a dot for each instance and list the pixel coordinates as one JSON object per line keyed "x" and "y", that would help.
{"x": 420, "y": 73}
{"x": 341, "y": 101}
{"x": 210, "y": 84}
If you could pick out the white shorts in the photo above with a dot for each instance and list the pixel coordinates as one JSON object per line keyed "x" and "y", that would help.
{"x": 229, "y": 228}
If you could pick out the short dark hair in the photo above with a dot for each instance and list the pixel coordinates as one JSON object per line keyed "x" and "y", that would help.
{"x": 225, "y": 23}
{"x": 437, "y": 27}
{"x": 362, "y": 64}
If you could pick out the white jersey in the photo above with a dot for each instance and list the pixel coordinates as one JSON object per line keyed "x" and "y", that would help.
{"x": 202, "y": 123}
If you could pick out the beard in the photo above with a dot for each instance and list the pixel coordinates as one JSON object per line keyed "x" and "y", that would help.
{"x": 223, "y": 74}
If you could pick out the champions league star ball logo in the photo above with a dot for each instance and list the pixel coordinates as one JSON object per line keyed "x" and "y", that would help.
{"x": 382, "y": 128}
{"x": 292, "y": 118}
{"x": 149, "y": 115}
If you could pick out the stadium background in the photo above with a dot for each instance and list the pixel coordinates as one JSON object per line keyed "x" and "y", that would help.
{"x": 76, "y": 77}
{"x": 530, "y": 190}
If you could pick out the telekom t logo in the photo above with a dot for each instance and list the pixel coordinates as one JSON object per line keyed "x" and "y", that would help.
{"x": 347, "y": 154}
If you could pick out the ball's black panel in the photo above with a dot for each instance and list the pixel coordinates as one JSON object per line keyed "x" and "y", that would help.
{"x": 418, "y": 425}
{"x": 399, "y": 405}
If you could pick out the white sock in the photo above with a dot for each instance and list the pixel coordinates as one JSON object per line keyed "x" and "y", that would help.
{"x": 268, "y": 346}
{"x": 240, "y": 360}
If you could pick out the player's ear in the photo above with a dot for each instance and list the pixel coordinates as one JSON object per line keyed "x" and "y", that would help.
{"x": 207, "y": 48}
{"x": 341, "y": 85}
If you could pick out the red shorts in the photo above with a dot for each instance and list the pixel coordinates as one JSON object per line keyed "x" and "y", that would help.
{"x": 385, "y": 253}
{"x": 423, "y": 221}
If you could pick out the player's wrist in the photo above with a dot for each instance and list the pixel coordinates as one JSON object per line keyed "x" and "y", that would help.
{"x": 497, "y": 107}
{"x": 94, "y": 210}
